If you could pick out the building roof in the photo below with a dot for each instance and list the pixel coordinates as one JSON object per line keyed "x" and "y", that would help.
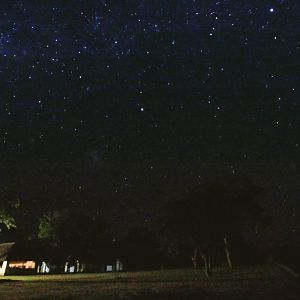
{"x": 5, "y": 248}
{"x": 29, "y": 250}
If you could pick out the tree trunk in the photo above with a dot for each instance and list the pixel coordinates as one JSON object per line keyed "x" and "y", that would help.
{"x": 195, "y": 258}
{"x": 227, "y": 252}
{"x": 206, "y": 265}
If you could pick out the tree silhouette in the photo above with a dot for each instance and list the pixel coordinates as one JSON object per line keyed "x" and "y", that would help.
{"x": 214, "y": 213}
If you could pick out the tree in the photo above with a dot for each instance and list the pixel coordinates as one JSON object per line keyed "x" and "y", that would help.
{"x": 140, "y": 249}
{"x": 8, "y": 207}
{"x": 215, "y": 211}
{"x": 186, "y": 222}
{"x": 50, "y": 226}
{"x": 73, "y": 233}
{"x": 7, "y": 220}
{"x": 233, "y": 203}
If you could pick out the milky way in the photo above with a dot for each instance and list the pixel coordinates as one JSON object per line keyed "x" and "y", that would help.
{"x": 119, "y": 105}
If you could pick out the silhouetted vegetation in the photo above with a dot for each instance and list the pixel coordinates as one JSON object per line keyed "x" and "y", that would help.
{"x": 205, "y": 229}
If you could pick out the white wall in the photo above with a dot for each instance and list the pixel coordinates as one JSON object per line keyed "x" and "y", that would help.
{"x": 3, "y": 268}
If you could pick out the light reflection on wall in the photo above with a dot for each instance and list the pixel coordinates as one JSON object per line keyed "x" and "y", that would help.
{"x": 22, "y": 264}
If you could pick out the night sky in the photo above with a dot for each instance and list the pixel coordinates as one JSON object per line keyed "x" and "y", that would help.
{"x": 118, "y": 106}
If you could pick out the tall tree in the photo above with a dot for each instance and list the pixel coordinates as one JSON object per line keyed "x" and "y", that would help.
{"x": 215, "y": 211}
{"x": 9, "y": 204}
{"x": 186, "y": 222}
{"x": 74, "y": 233}
{"x": 233, "y": 204}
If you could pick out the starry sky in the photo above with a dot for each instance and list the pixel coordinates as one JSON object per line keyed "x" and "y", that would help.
{"x": 120, "y": 105}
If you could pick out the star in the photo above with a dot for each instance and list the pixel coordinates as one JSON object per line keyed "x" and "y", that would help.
{"x": 189, "y": 88}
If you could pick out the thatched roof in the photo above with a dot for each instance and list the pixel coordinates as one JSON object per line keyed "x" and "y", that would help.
{"x": 5, "y": 248}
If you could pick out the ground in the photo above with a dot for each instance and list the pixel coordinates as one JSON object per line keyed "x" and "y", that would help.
{"x": 262, "y": 282}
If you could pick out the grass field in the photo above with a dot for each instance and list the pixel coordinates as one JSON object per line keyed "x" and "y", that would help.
{"x": 263, "y": 282}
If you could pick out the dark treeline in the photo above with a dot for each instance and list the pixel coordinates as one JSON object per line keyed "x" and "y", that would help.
{"x": 208, "y": 227}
